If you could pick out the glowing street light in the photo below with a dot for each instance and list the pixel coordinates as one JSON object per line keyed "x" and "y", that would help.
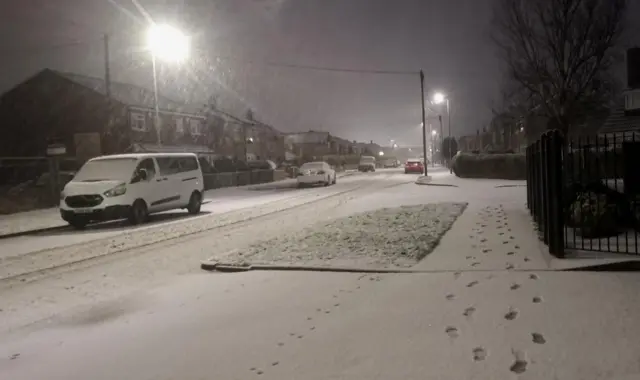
{"x": 438, "y": 98}
{"x": 169, "y": 44}
{"x": 434, "y": 133}
{"x": 381, "y": 153}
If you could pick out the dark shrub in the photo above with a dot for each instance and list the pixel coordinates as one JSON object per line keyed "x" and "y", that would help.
{"x": 492, "y": 166}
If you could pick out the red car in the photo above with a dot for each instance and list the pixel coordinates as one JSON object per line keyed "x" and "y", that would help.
{"x": 413, "y": 166}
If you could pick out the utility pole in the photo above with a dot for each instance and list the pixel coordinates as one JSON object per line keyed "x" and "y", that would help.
{"x": 107, "y": 67}
{"x": 449, "y": 122}
{"x": 441, "y": 139}
{"x": 424, "y": 125}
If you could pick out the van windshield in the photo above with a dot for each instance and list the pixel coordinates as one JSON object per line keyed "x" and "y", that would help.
{"x": 105, "y": 170}
{"x": 366, "y": 160}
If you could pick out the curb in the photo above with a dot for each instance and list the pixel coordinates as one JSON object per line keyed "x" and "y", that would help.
{"x": 32, "y": 232}
{"x": 436, "y": 184}
{"x": 214, "y": 266}
{"x": 209, "y": 265}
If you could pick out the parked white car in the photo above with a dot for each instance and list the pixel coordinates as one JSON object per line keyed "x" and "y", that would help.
{"x": 367, "y": 164}
{"x": 316, "y": 173}
{"x": 132, "y": 186}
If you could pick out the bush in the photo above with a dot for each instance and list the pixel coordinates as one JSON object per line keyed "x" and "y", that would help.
{"x": 593, "y": 215}
{"x": 491, "y": 166}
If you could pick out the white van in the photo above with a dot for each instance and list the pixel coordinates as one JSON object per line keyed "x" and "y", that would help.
{"x": 132, "y": 186}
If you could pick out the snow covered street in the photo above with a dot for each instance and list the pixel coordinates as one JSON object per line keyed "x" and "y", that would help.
{"x": 483, "y": 303}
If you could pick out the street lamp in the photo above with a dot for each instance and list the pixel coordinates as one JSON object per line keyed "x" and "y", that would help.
{"x": 434, "y": 133}
{"x": 439, "y": 98}
{"x": 169, "y": 44}
{"x": 381, "y": 153}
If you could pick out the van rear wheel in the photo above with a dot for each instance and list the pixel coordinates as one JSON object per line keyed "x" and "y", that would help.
{"x": 139, "y": 212}
{"x": 195, "y": 203}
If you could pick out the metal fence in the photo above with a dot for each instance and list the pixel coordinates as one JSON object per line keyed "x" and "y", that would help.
{"x": 584, "y": 193}
{"x": 254, "y": 177}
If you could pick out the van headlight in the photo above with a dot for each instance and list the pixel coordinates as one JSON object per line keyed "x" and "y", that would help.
{"x": 116, "y": 191}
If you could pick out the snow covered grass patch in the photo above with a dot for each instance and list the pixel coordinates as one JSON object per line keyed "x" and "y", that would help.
{"x": 386, "y": 237}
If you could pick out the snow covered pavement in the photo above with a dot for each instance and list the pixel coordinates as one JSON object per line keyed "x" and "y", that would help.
{"x": 490, "y": 308}
{"x": 274, "y": 325}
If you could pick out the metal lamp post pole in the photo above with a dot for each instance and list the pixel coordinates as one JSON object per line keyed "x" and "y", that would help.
{"x": 449, "y": 123}
{"x": 155, "y": 100}
{"x": 424, "y": 124}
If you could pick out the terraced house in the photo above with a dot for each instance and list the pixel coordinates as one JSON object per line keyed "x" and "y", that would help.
{"x": 90, "y": 120}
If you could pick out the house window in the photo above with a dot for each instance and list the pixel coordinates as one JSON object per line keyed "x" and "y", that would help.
{"x": 179, "y": 125}
{"x": 138, "y": 122}
{"x": 195, "y": 127}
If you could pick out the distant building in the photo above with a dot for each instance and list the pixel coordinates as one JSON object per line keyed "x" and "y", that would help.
{"x": 317, "y": 144}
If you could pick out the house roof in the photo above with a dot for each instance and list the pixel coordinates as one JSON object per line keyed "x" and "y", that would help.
{"x": 619, "y": 121}
{"x": 311, "y": 137}
{"x": 129, "y": 94}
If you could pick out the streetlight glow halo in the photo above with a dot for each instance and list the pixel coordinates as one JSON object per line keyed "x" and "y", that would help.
{"x": 167, "y": 43}
{"x": 438, "y": 98}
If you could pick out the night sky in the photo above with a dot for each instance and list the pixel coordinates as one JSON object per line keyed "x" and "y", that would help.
{"x": 448, "y": 39}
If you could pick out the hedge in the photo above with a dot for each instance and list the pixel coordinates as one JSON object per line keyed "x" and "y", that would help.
{"x": 491, "y": 166}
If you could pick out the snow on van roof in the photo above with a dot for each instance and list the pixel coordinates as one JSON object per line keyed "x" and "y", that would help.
{"x": 142, "y": 155}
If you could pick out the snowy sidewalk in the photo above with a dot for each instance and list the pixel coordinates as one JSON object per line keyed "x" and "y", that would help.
{"x": 495, "y": 232}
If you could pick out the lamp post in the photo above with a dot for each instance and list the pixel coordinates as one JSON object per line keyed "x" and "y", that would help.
{"x": 169, "y": 44}
{"x": 438, "y": 98}
{"x": 424, "y": 123}
{"x": 434, "y": 133}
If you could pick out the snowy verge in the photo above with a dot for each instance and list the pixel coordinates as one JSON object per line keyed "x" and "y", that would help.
{"x": 396, "y": 237}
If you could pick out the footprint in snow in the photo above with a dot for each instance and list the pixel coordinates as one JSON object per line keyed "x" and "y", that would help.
{"x": 472, "y": 284}
{"x": 533, "y": 276}
{"x": 538, "y": 338}
{"x": 511, "y": 315}
{"x": 520, "y": 364}
{"x": 468, "y": 312}
{"x": 479, "y": 354}
{"x": 452, "y": 332}
{"x": 450, "y": 297}
{"x": 537, "y": 299}
{"x": 515, "y": 286}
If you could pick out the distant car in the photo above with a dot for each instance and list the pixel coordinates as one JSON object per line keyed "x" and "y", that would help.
{"x": 367, "y": 164}
{"x": 413, "y": 165}
{"x": 392, "y": 163}
{"x": 316, "y": 173}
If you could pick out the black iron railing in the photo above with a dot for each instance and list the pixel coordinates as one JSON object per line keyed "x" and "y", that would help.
{"x": 584, "y": 193}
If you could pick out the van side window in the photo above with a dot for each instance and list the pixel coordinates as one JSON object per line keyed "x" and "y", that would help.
{"x": 148, "y": 165}
{"x": 188, "y": 164}
{"x": 169, "y": 165}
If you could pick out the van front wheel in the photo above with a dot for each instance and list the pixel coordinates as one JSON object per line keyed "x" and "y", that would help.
{"x": 195, "y": 203}
{"x": 138, "y": 213}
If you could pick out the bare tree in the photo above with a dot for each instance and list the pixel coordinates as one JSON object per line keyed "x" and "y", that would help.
{"x": 560, "y": 51}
